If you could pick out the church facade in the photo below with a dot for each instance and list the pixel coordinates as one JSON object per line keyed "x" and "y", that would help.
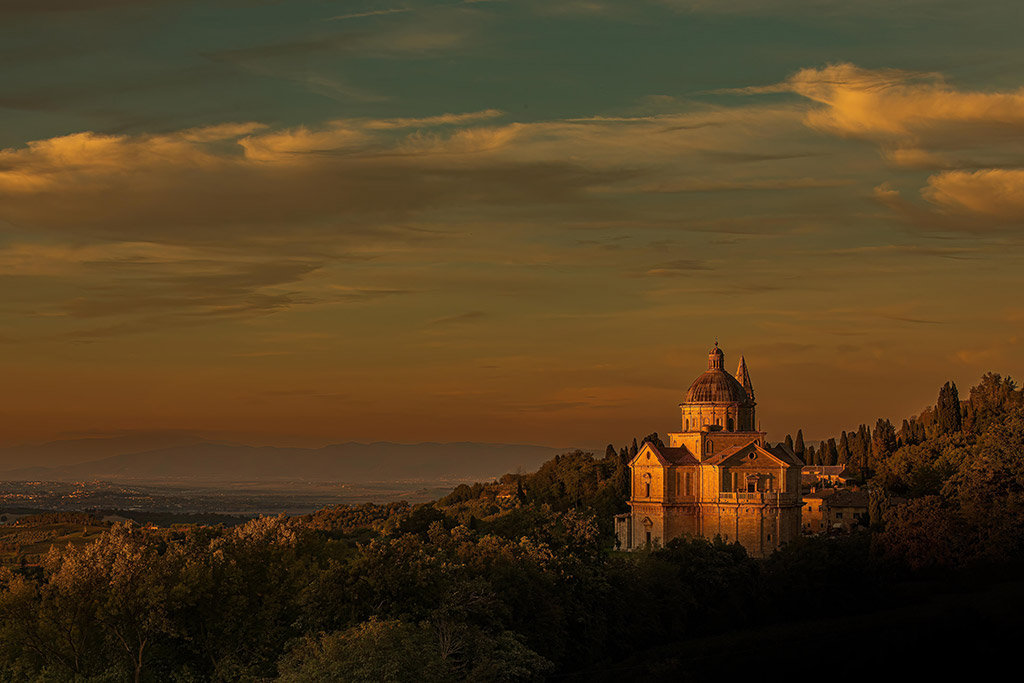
{"x": 715, "y": 477}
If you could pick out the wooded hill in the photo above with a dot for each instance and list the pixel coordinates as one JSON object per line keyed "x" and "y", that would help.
{"x": 513, "y": 580}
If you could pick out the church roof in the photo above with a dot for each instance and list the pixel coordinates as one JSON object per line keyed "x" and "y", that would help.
{"x": 678, "y": 456}
{"x": 716, "y": 386}
{"x": 669, "y": 456}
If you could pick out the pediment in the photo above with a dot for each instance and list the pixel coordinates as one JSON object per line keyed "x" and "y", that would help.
{"x": 751, "y": 455}
{"x": 648, "y": 455}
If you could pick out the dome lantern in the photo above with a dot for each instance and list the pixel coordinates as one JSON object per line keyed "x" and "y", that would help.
{"x": 716, "y": 359}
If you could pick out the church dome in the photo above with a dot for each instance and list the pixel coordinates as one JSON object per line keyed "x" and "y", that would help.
{"x": 716, "y": 385}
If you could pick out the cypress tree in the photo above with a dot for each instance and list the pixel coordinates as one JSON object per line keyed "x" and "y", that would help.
{"x": 844, "y": 449}
{"x": 862, "y": 448}
{"x": 633, "y": 450}
{"x": 833, "y": 452}
{"x": 655, "y": 439}
{"x": 798, "y": 446}
{"x": 947, "y": 409}
{"x": 883, "y": 441}
{"x": 789, "y": 442}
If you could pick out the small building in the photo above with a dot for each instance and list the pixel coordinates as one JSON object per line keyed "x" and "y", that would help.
{"x": 814, "y": 515}
{"x": 833, "y": 510}
{"x": 846, "y": 509}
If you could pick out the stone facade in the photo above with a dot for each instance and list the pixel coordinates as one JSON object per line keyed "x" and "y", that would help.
{"x": 715, "y": 477}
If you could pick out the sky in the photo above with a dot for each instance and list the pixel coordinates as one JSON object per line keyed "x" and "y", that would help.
{"x": 501, "y": 220}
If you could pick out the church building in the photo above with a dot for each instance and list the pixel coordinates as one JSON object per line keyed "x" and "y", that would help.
{"x": 715, "y": 477}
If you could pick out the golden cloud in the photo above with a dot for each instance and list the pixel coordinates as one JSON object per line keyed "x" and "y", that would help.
{"x": 893, "y": 104}
{"x": 916, "y": 119}
{"x": 202, "y": 184}
{"x": 998, "y": 193}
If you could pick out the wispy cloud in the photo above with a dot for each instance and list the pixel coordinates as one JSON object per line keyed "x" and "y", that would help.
{"x": 373, "y": 13}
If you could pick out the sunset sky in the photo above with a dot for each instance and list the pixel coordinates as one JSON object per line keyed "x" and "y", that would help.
{"x": 517, "y": 221}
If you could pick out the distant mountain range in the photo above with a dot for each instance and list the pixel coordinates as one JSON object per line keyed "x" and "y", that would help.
{"x": 185, "y": 458}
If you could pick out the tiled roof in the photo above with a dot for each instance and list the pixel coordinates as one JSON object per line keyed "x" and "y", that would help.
{"x": 845, "y": 498}
{"x": 676, "y": 456}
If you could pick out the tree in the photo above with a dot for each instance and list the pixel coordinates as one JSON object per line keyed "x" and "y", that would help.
{"x": 654, "y": 439}
{"x": 993, "y": 397}
{"x": 833, "y": 453}
{"x": 989, "y": 487}
{"x": 924, "y": 532}
{"x": 883, "y": 441}
{"x": 947, "y": 409}
{"x": 789, "y": 442}
{"x": 385, "y": 651}
{"x": 860, "y": 448}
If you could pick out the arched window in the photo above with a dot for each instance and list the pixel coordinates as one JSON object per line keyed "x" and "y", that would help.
{"x": 647, "y": 485}
{"x": 731, "y": 424}
{"x": 687, "y": 426}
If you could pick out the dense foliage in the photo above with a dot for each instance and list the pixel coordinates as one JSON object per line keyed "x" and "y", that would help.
{"x": 512, "y": 580}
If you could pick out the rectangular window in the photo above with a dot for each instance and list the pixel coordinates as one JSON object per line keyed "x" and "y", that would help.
{"x": 839, "y": 515}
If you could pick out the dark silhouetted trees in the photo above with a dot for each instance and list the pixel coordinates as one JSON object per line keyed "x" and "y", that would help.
{"x": 947, "y": 409}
